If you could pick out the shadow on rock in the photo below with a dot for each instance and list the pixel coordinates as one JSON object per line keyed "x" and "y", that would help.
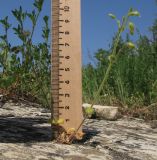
{"x": 89, "y": 134}
{"x": 23, "y": 130}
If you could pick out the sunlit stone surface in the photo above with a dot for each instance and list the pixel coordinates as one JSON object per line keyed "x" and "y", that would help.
{"x": 104, "y": 112}
{"x": 25, "y": 135}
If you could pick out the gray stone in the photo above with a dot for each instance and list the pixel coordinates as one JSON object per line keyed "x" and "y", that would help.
{"x": 1, "y": 100}
{"x": 154, "y": 124}
{"x": 26, "y": 135}
{"x": 104, "y": 112}
{"x": 1, "y": 97}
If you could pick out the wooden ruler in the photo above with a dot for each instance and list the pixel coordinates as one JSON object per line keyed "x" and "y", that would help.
{"x": 66, "y": 74}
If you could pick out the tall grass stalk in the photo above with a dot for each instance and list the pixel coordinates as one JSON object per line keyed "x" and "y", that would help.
{"x": 112, "y": 58}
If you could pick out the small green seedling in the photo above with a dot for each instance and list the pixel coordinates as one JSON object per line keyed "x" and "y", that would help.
{"x": 89, "y": 111}
{"x": 56, "y": 121}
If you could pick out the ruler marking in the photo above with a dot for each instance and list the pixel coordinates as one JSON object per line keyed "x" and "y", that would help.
{"x": 66, "y": 64}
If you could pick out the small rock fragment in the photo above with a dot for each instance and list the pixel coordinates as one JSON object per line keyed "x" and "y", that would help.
{"x": 104, "y": 112}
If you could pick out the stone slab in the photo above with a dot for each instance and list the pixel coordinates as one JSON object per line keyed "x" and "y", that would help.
{"x": 26, "y": 135}
{"x": 104, "y": 112}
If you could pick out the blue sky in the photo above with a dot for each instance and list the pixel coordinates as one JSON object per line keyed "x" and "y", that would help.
{"x": 97, "y": 28}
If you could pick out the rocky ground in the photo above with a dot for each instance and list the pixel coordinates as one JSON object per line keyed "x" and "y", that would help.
{"x": 26, "y": 135}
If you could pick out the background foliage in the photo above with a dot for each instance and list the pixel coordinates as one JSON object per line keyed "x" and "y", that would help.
{"x": 133, "y": 80}
{"x": 25, "y": 69}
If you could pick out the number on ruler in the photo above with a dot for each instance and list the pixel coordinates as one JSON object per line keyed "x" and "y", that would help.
{"x": 67, "y": 120}
{"x": 67, "y": 69}
{"x": 66, "y": 8}
{"x": 67, "y": 107}
{"x": 67, "y": 21}
{"x": 67, "y": 81}
{"x": 67, "y": 44}
{"x": 67, "y": 32}
{"x": 67, "y": 57}
{"x": 67, "y": 95}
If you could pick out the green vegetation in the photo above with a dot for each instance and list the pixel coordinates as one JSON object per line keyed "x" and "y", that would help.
{"x": 25, "y": 69}
{"x": 115, "y": 53}
{"x": 131, "y": 80}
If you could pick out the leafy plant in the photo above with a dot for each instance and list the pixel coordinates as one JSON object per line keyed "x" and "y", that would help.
{"x": 132, "y": 78}
{"x": 25, "y": 68}
{"x": 112, "y": 59}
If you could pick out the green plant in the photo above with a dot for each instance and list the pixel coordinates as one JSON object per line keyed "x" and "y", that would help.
{"x": 109, "y": 58}
{"x": 114, "y": 54}
{"x": 25, "y": 68}
{"x": 112, "y": 58}
{"x": 132, "y": 78}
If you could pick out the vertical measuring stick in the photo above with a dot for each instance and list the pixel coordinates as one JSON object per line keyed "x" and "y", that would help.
{"x": 66, "y": 73}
